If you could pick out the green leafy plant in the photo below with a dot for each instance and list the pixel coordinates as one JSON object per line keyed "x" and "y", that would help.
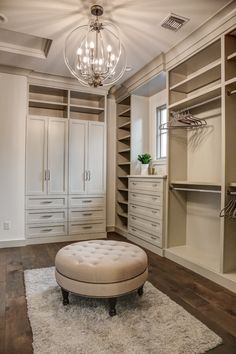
{"x": 144, "y": 158}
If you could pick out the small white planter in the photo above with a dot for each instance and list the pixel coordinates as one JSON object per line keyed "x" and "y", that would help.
{"x": 144, "y": 169}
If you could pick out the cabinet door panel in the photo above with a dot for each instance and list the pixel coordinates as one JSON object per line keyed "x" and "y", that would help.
{"x": 57, "y": 156}
{"x": 77, "y": 156}
{"x": 96, "y": 158}
{"x": 36, "y": 159}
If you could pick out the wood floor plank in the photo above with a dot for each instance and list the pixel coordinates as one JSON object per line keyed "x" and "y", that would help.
{"x": 207, "y": 301}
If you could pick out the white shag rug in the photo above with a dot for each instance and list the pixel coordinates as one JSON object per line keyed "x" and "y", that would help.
{"x": 151, "y": 324}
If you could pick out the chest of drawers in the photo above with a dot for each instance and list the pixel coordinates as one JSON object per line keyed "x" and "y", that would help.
{"x": 146, "y": 212}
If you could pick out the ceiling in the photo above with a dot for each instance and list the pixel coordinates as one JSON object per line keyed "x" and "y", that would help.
{"x": 138, "y": 20}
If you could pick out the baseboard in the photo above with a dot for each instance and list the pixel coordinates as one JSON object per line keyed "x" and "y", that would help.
{"x": 12, "y": 243}
{"x": 121, "y": 232}
{"x": 41, "y": 240}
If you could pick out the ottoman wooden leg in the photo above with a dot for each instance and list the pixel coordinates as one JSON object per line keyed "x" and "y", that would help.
{"x": 65, "y": 295}
{"x": 140, "y": 291}
{"x": 112, "y": 306}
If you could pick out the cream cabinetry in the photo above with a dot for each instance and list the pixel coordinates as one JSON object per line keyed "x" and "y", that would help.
{"x": 65, "y": 168}
{"x": 146, "y": 205}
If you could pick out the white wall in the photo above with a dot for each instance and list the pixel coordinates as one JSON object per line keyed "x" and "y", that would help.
{"x": 13, "y": 108}
{"x": 111, "y": 161}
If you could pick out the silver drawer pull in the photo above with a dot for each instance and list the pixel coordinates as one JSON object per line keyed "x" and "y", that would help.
{"x": 87, "y": 227}
{"x": 87, "y": 214}
{"x": 46, "y": 216}
{"x": 134, "y": 218}
{"x": 154, "y": 198}
{"x": 86, "y": 201}
{"x": 133, "y": 229}
{"x": 134, "y": 207}
{"x": 46, "y": 202}
{"x": 46, "y": 230}
{"x": 154, "y": 212}
{"x": 154, "y": 185}
{"x": 155, "y": 225}
{"x": 134, "y": 184}
{"x": 153, "y": 238}
{"x": 133, "y": 195}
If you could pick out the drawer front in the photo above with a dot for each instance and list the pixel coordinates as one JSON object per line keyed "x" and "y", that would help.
{"x": 151, "y": 201}
{"x": 46, "y": 203}
{"x": 42, "y": 217}
{"x": 78, "y": 228}
{"x": 146, "y": 186}
{"x": 153, "y": 214}
{"x": 152, "y": 227}
{"x": 46, "y": 231}
{"x": 88, "y": 215}
{"x": 154, "y": 239}
{"x": 87, "y": 203}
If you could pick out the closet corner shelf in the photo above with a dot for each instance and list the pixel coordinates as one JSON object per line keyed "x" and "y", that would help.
{"x": 231, "y": 81}
{"x": 122, "y": 202}
{"x": 124, "y": 150}
{"x": 124, "y": 163}
{"x": 232, "y": 56}
{"x": 126, "y": 137}
{"x": 123, "y": 189}
{"x": 47, "y": 104}
{"x": 122, "y": 176}
{"x": 124, "y": 113}
{"x": 198, "y": 98}
{"x": 86, "y": 109}
{"x": 199, "y": 78}
{"x": 125, "y": 125}
{"x": 123, "y": 215}
{"x": 232, "y": 184}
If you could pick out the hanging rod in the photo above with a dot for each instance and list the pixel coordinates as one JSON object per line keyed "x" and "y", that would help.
{"x": 195, "y": 190}
{"x": 229, "y": 93}
{"x": 200, "y": 104}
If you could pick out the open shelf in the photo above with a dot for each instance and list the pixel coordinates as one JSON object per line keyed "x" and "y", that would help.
{"x": 122, "y": 202}
{"x": 123, "y": 215}
{"x": 232, "y": 56}
{"x": 126, "y": 137}
{"x": 124, "y": 125}
{"x": 122, "y": 189}
{"x": 122, "y": 151}
{"x": 200, "y": 78}
{"x": 86, "y": 109}
{"x": 232, "y": 184}
{"x": 196, "y": 256}
{"x": 200, "y": 98}
{"x": 124, "y": 113}
{"x": 124, "y": 163}
{"x": 47, "y": 104}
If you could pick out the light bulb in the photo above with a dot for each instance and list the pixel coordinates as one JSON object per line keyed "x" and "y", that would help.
{"x": 92, "y": 45}
{"x": 113, "y": 57}
{"x": 109, "y": 48}
{"x": 79, "y": 51}
{"x": 85, "y": 59}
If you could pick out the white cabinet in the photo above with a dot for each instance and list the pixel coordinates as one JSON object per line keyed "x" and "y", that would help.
{"x": 86, "y": 157}
{"x": 146, "y": 205}
{"x": 46, "y": 156}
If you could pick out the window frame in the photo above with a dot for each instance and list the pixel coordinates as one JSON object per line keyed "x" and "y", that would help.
{"x": 159, "y": 133}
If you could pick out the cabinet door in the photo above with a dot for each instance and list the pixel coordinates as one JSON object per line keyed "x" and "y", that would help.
{"x": 96, "y": 158}
{"x": 36, "y": 157}
{"x": 57, "y": 156}
{"x": 77, "y": 156}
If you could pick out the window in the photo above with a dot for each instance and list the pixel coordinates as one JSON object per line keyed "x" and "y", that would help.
{"x": 161, "y": 135}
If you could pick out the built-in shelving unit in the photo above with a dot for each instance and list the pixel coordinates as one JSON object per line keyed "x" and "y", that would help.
{"x": 202, "y": 164}
{"x": 123, "y": 163}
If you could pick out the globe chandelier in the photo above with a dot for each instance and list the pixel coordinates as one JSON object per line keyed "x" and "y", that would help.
{"x": 93, "y": 53}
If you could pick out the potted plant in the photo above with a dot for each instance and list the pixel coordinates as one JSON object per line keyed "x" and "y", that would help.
{"x": 145, "y": 160}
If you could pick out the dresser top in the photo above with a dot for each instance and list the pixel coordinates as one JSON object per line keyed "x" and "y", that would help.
{"x": 148, "y": 176}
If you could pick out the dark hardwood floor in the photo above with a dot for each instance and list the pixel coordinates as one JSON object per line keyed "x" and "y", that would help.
{"x": 210, "y": 303}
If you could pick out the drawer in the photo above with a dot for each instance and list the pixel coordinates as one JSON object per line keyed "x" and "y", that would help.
{"x": 46, "y": 202}
{"x": 77, "y": 215}
{"x": 82, "y": 228}
{"x": 146, "y": 186}
{"x": 152, "y": 214}
{"x": 46, "y": 231}
{"x": 88, "y": 203}
{"x": 152, "y": 227}
{"x": 154, "y": 239}
{"x": 151, "y": 201}
{"x": 46, "y": 216}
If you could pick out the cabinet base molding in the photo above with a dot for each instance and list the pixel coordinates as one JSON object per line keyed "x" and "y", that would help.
{"x": 111, "y": 228}
{"x": 145, "y": 244}
{"x": 40, "y": 240}
{"x": 121, "y": 232}
{"x": 219, "y": 278}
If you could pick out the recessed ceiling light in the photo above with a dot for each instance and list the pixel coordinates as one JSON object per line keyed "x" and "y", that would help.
{"x": 3, "y": 18}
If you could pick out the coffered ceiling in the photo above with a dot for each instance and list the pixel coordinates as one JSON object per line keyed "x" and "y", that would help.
{"x": 42, "y": 26}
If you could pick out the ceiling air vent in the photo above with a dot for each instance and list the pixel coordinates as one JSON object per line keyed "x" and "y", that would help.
{"x": 174, "y": 22}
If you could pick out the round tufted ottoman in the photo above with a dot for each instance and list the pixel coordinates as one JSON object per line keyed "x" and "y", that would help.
{"x": 101, "y": 268}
